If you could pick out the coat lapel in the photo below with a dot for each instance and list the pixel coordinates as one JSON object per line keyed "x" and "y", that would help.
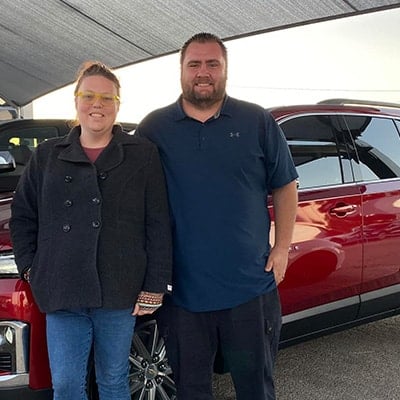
{"x": 110, "y": 158}
{"x": 72, "y": 150}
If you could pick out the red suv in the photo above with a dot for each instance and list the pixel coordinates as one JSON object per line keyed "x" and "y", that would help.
{"x": 343, "y": 268}
{"x": 343, "y": 264}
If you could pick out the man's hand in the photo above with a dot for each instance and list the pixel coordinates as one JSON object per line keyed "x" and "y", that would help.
{"x": 277, "y": 262}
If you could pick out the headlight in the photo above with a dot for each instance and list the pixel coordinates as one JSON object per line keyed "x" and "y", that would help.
{"x": 7, "y": 265}
{"x": 6, "y": 335}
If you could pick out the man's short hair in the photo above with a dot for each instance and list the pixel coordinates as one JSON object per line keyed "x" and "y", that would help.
{"x": 203, "y": 37}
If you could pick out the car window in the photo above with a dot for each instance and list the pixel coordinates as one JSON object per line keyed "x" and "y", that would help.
{"x": 22, "y": 141}
{"x": 318, "y": 150}
{"x": 377, "y": 144}
{"x": 32, "y": 136}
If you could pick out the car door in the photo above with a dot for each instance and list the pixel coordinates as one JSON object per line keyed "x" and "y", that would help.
{"x": 325, "y": 260}
{"x": 377, "y": 168}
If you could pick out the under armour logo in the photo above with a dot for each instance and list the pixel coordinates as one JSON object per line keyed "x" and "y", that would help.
{"x": 234, "y": 134}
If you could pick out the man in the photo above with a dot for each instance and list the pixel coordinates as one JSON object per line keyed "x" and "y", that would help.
{"x": 222, "y": 157}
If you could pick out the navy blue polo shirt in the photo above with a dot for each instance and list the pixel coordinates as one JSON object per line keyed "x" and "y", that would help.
{"x": 219, "y": 174}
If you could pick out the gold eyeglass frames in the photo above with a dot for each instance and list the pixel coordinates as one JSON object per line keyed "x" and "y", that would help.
{"x": 106, "y": 99}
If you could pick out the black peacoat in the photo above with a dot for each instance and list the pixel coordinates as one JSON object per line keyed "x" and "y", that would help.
{"x": 93, "y": 234}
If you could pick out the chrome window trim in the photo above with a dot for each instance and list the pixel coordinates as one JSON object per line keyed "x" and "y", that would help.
{"x": 347, "y": 184}
{"x": 339, "y": 185}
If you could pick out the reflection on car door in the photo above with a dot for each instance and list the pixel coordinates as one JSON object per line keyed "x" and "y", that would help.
{"x": 377, "y": 144}
{"x": 325, "y": 261}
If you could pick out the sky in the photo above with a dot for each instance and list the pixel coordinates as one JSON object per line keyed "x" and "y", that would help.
{"x": 353, "y": 57}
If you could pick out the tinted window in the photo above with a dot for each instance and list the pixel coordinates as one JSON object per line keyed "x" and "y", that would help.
{"x": 20, "y": 142}
{"x": 377, "y": 144}
{"x": 318, "y": 150}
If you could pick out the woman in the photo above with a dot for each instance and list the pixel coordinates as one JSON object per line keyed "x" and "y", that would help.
{"x": 90, "y": 229}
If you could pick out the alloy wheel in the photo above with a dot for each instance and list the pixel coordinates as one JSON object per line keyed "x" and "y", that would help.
{"x": 150, "y": 374}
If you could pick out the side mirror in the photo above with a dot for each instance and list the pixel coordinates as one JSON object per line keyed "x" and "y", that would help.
{"x": 7, "y": 161}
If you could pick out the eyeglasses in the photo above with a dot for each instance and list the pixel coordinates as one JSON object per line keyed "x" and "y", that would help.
{"x": 106, "y": 99}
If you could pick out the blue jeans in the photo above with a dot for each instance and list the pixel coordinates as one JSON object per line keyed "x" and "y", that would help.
{"x": 70, "y": 336}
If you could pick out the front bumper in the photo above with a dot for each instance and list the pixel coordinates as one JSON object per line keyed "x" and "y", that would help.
{"x": 25, "y": 393}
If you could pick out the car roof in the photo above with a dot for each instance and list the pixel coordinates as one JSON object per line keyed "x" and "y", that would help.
{"x": 338, "y": 106}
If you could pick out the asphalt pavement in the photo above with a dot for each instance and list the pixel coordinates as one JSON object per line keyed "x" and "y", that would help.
{"x": 361, "y": 363}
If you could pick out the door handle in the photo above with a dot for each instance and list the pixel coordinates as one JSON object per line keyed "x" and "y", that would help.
{"x": 341, "y": 210}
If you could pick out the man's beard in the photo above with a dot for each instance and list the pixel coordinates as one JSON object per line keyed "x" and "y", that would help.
{"x": 202, "y": 100}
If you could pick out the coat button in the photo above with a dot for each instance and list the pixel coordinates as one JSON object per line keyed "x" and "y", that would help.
{"x": 96, "y": 200}
{"x": 68, "y": 203}
{"x": 96, "y": 224}
{"x": 66, "y": 228}
{"x": 68, "y": 179}
{"x": 103, "y": 175}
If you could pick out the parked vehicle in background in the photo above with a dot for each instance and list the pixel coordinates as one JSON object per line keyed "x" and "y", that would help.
{"x": 343, "y": 265}
{"x": 7, "y": 112}
{"x": 21, "y": 136}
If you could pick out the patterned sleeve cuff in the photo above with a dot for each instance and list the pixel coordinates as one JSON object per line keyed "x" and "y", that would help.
{"x": 149, "y": 300}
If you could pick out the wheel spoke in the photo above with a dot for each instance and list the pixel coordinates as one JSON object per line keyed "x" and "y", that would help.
{"x": 152, "y": 394}
{"x": 163, "y": 393}
{"x": 140, "y": 347}
{"x": 160, "y": 350}
{"x": 168, "y": 382}
{"x": 136, "y": 361}
{"x": 149, "y": 370}
{"x": 143, "y": 395}
{"x": 155, "y": 338}
{"x": 136, "y": 386}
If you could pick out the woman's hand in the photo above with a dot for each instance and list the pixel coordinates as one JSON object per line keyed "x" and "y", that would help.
{"x": 147, "y": 303}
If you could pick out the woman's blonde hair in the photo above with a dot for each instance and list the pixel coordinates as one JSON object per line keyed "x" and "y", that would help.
{"x": 94, "y": 68}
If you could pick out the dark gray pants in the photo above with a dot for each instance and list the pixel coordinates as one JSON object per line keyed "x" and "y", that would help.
{"x": 248, "y": 336}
